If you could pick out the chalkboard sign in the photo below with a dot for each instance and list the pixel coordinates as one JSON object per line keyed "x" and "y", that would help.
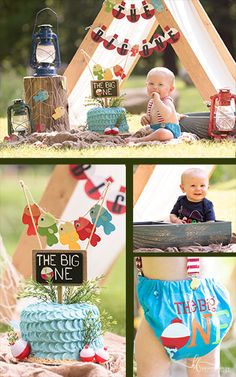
{"x": 105, "y": 88}
{"x": 61, "y": 266}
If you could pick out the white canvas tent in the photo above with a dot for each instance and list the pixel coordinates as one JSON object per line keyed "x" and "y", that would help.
{"x": 200, "y": 50}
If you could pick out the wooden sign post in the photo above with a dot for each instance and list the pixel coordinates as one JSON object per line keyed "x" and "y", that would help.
{"x": 60, "y": 267}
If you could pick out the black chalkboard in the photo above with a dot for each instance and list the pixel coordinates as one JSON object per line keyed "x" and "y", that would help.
{"x": 105, "y": 88}
{"x": 64, "y": 267}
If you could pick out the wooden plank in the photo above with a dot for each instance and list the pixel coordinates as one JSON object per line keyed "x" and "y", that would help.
{"x": 54, "y": 199}
{"x": 140, "y": 179}
{"x": 163, "y": 235}
{"x": 188, "y": 57}
{"x": 223, "y": 51}
{"x": 79, "y": 62}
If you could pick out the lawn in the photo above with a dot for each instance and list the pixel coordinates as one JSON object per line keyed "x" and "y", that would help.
{"x": 189, "y": 101}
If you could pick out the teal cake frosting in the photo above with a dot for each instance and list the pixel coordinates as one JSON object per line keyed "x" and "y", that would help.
{"x": 99, "y": 118}
{"x": 56, "y": 331}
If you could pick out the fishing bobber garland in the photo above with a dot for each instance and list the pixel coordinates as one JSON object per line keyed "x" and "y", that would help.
{"x": 144, "y": 48}
{"x": 133, "y": 13}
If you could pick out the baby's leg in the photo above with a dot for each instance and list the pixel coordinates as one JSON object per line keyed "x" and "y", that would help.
{"x": 152, "y": 360}
{"x": 205, "y": 366}
{"x": 159, "y": 135}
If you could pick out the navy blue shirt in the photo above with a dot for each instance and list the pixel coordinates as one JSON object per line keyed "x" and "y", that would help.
{"x": 199, "y": 212}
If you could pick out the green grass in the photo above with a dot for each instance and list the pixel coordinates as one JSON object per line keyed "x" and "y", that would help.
{"x": 197, "y": 149}
{"x": 223, "y": 196}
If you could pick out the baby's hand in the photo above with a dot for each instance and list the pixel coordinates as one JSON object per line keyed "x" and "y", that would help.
{"x": 145, "y": 120}
{"x": 156, "y": 96}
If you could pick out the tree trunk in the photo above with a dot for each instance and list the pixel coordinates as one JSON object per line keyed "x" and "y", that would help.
{"x": 47, "y": 98}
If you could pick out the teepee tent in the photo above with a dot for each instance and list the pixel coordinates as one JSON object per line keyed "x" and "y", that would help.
{"x": 199, "y": 48}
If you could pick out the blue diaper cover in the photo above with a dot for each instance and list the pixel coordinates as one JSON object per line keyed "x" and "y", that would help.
{"x": 188, "y": 323}
{"x": 173, "y": 127}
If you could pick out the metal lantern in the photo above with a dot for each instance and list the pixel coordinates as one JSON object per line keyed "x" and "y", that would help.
{"x": 19, "y": 118}
{"x": 222, "y": 117}
{"x": 45, "y": 57}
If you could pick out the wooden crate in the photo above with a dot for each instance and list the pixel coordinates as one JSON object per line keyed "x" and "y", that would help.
{"x": 162, "y": 235}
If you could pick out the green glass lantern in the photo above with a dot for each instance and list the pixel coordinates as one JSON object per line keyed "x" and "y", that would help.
{"x": 19, "y": 118}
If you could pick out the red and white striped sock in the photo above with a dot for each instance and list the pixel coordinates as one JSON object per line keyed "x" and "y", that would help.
{"x": 193, "y": 266}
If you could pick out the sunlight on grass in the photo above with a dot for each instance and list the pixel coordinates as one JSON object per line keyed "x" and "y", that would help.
{"x": 200, "y": 148}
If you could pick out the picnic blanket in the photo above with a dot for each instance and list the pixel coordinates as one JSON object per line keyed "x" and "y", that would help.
{"x": 10, "y": 367}
{"x": 78, "y": 139}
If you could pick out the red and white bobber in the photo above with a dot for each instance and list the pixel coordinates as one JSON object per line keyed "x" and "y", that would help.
{"x": 102, "y": 355}
{"x": 115, "y": 131}
{"x": 20, "y": 349}
{"x": 107, "y": 131}
{"x": 176, "y": 335}
{"x": 87, "y": 354}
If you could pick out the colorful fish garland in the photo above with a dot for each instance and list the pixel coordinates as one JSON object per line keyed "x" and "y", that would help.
{"x": 67, "y": 233}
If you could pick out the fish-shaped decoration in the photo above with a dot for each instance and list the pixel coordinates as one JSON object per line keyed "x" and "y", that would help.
{"x": 108, "y": 74}
{"x": 118, "y": 71}
{"x": 104, "y": 219}
{"x": 109, "y": 4}
{"x": 47, "y": 226}
{"x": 69, "y": 236}
{"x": 41, "y": 96}
{"x": 84, "y": 228}
{"x": 26, "y": 218}
{"x": 134, "y": 50}
{"x": 59, "y": 112}
{"x": 98, "y": 71}
{"x": 158, "y": 5}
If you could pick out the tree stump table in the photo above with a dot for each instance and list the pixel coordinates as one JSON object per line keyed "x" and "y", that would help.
{"x": 47, "y": 97}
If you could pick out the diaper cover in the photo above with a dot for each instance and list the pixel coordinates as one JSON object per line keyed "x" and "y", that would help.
{"x": 188, "y": 322}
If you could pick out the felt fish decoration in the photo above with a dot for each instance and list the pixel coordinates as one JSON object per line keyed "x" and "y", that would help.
{"x": 109, "y": 4}
{"x": 98, "y": 71}
{"x": 26, "y": 218}
{"x": 69, "y": 236}
{"x": 41, "y": 96}
{"x": 158, "y": 5}
{"x": 104, "y": 219}
{"x": 108, "y": 74}
{"x": 47, "y": 226}
{"x": 59, "y": 112}
{"x": 118, "y": 71}
{"x": 134, "y": 50}
{"x": 84, "y": 228}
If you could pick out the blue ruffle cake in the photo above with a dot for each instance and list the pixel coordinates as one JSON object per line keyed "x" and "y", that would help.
{"x": 100, "y": 118}
{"x": 56, "y": 331}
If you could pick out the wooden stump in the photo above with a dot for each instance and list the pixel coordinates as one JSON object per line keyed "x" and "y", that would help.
{"x": 47, "y": 98}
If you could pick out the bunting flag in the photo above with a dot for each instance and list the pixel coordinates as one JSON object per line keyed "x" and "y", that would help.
{"x": 95, "y": 184}
{"x": 124, "y": 48}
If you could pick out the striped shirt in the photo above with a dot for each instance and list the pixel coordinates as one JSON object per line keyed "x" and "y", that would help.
{"x": 193, "y": 266}
{"x": 154, "y": 114}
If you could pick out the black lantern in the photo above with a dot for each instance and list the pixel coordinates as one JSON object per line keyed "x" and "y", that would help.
{"x": 45, "y": 56}
{"x": 19, "y": 118}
